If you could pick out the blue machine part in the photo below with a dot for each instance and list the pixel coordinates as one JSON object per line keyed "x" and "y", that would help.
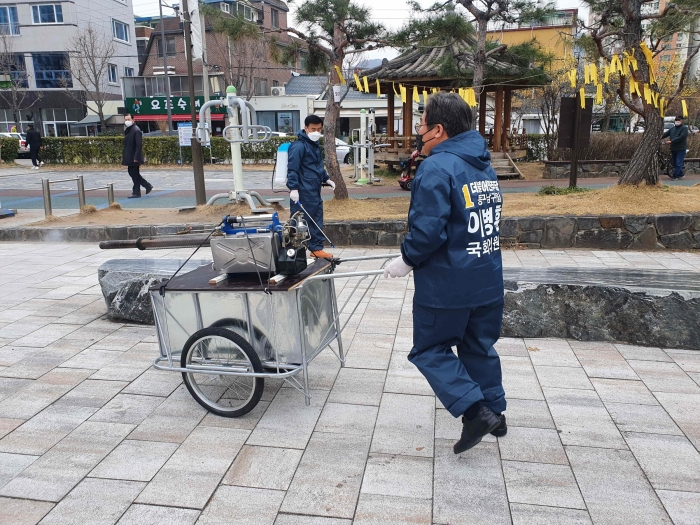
{"x": 233, "y": 229}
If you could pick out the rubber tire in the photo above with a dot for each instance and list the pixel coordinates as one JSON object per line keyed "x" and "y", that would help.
{"x": 247, "y": 350}
{"x": 348, "y": 159}
{"x": 407, "y": 185}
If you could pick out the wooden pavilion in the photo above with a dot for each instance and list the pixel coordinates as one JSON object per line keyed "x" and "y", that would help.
{"x": 448, "y": 68}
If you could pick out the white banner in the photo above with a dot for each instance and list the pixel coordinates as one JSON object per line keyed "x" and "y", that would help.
{"x": 196, "y": 32}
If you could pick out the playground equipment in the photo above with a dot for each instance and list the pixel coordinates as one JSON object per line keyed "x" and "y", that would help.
{"x": 363, "y": 150}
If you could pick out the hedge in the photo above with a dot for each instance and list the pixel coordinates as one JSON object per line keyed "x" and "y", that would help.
{"x": 156, "y": 150}
{"x": 9, "y": 148}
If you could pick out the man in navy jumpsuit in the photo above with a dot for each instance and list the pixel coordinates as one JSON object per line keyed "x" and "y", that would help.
{"x": 454, "y": 251}
{"x": 305, "y": 175}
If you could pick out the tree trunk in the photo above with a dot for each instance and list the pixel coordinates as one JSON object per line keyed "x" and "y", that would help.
{"x": 643, "y": 165}
{"x": 479, "y": 63}
{"x": 330, "y": 122}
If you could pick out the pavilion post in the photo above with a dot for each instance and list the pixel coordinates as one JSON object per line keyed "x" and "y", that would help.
{"x": 408, "y": 125}
{"x": 507, "y": 110}
{"x": 482, "y": 112}
{"x": 390, "y": 118}
{"x": 498, "y": 120}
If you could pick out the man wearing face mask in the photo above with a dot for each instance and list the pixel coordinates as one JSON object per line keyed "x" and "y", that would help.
{"x": 305, "y": 175}
{"x": 453, "y": 248}
{"x": 678, "y": 140}
{"x": 132, "y": 157}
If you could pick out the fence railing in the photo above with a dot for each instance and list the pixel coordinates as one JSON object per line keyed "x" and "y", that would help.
{"x": 46, "y": 190}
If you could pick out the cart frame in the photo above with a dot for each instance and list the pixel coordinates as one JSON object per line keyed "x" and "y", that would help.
{"x": 284, "y": 371}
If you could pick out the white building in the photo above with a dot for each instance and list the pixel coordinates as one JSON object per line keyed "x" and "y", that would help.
{"x": 38, "y": 33}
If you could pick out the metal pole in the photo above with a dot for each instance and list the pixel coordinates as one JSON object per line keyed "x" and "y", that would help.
{"x": 81, "y": 192}
{"x": 236, "y": 161}
{"x": 197, "y": 166}
{"x": 46, "y": 190}
{"x": 205, "y": 70}
{"x": 110, "y": 193}
{"x": 573, "y": 174}
{"x": 168, "y": 101}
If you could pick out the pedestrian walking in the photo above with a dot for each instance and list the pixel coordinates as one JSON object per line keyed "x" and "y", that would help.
{"x": 133, "y": 156}
{"x": 305, "y": 175}
{"x": 678, "y": 140}
{"x": 34, "y": 143}
{"x": 453, "y": 249}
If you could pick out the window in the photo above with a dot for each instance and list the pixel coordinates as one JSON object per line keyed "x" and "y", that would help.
{"x": 47, "y": 14}
{"x": 261, "y": 86}
{"x": 275, "y": 18}
{"x": 9, "y": 22}
{"x": 128, "y": 71}
{"x": 679, "y": 45}
{"x": 665, "y": 58}
{"x": 51, "y": 70}
{"x": 169, "y": 45}
{"x": 112, "y": 72}
{"x": 14, "y": 65}
{"x": 275, "y": 83}
{"x": 225, "y": 7}
{"x": 120, "y": 30}
{"x": 245, "y": 11}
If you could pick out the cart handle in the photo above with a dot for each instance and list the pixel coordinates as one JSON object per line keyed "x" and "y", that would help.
{"x": 324, "y": 276}
{"x": 369, "y": 257}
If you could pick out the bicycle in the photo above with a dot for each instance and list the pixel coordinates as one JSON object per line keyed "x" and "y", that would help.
{"x": 664, "y": 160}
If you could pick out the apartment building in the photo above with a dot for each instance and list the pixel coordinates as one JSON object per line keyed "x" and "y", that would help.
{"x": 38, "y": 34}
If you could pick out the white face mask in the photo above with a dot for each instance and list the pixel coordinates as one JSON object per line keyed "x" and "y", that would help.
{"x": 128, "y": 123}
{"x": 314, "y": 135}
{"x": 678, "y": 123}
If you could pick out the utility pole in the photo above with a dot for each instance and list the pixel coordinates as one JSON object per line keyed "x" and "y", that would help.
{"x": 164, "y": 46}
{"x": 197, "y": 166}
{"x": 205, "y": 68}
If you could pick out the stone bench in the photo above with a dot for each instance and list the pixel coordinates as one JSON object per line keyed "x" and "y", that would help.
{"x": 125, "y": 284}
{"x": 646, "y": 307}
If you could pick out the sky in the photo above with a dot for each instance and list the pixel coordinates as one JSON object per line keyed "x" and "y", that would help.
{"x": 392, "y": 14}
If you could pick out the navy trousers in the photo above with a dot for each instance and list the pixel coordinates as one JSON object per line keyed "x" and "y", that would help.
{"x": 678, "y": 159}
{"x": 314, "y": 208}
{"x": 474, "y": 374}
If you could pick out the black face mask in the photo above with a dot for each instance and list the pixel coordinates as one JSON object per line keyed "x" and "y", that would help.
{"x": 419, "y": 140}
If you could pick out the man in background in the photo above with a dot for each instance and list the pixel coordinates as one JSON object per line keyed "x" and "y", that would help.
{"x": 34, "y": 143}
{"x": 132, "y": 157}
{"x": 678, "y": 140}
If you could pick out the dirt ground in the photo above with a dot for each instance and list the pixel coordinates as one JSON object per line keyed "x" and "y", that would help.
{"x": 531, "y": 170}
{"x": 616, "y": 200}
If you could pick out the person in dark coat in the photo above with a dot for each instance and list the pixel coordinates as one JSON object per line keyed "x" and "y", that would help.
{"x": 133, "y": 156}
{"x": 678, "y": 140}
{"x": 34, "y": 143}
{"x": 453, "y": 248}
{"x": 305, "y": 175}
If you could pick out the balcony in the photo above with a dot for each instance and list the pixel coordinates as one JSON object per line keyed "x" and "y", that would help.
{"x": 11, "y": 29}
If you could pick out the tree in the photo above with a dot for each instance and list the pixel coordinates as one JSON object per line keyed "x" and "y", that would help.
{"x": 334, "y": 31}
{"x": 13, "y": 87}
{"x": 627, "y": 30}
{"x": 245, "y": 47}
{"x": 90, "y": 55}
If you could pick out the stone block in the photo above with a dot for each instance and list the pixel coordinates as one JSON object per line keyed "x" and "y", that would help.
{"x": 672, "y": 223}
{"x": 167, "y": 230}
{"x": 587, "y": 223}
{"x": 612, "y": 222}
{"x": 116, "y": 233}
{"x": 635, "y": 224}
{"x": 531, "y": 223}
{"x": 697, "y": 238}
{"x": 363, "y": 237}
{"x": 646, "y": 240}
{"x": 559, "y": 232}
{"x": 387, "y": 239}
{"x": 359, "y": 225}
{"x": 614, "y": 239}
{"x": 677, "y": 241}
{"x": 696, "y": 222}
{"x": 125, "y": 284}
{"x": 339, "y": 233}
{"x": 396, "y": 226}
{"x": 531, "y": 237}
{"x": 509, "y": 227}
{"x": 36, "y": 234}
{"x": 134, "y": 232}
{"x": 95, "y": 234}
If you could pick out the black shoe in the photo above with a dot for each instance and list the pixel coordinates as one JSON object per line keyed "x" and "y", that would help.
{"x": 502, "y": 428}
{"x": 148, "y": 190}
{"x": 134, "y": 196}
{"x": 473, "y": 430}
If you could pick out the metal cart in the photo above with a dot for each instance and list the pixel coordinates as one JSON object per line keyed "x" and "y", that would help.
{"x": 227, "y": 338}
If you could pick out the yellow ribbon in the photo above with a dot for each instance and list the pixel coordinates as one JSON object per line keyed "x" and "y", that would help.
{"x": 607, "y": 74}
{"x": 416, "y": 98}
{"x": 366, "y": 84}
{"x": 357, "y": 82}
{"x": 685, "y": 108}
{"x": 582, "y": 93}
{"x": 340, "y": 75}
{"x": 402, "y": 88}
{"x": 379, "y": 89}
{"x": 599, "y": 94}
{"x": 572, "y": 78}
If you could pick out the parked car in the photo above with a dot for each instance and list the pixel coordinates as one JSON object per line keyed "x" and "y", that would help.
{"x": 343, "y": 151}
{"x": 22, "y": 138}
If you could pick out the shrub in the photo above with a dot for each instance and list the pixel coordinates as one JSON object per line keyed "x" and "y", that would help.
{"x": 536, "y": 148}
{"x": 156, "y": 150}
{"x": 618, "y": 146}
{"x": 8, "y": 149}
{"x": 555, "y": 190}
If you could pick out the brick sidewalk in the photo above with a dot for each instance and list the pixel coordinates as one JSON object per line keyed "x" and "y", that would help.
{"x": 90, "y": 433}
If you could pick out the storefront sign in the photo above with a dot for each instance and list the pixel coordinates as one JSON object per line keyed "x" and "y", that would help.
{"x": 156, "y": 105}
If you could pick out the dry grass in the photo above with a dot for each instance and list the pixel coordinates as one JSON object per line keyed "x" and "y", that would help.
{"x": 616, "y": 200}
{"x": 88, "y": 209}
{"x": 531, "y": 170}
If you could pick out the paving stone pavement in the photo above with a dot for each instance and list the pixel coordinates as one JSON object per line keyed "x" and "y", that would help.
{"x": 90, "y": 433}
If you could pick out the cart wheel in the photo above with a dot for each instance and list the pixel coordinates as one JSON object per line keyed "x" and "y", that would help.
{"x": 224, "y": 395}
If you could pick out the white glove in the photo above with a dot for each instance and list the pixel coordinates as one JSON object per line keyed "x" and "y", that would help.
{"x": 294, "y": 196}
{"x": 397, "y": 268}
{"x": 331, "y": 184}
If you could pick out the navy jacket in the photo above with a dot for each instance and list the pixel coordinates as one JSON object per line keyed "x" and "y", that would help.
{"x": 305, "y": 171}
{"x": 453, "y": 242}
{"x": 133, "y": 146}
{"x": 678, "y": 136}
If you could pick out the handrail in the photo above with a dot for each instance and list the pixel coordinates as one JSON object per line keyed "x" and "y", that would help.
{"x": 46, "y": 191}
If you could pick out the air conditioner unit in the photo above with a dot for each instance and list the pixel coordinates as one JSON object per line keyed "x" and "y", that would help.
{"x": 278, "y": 91}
